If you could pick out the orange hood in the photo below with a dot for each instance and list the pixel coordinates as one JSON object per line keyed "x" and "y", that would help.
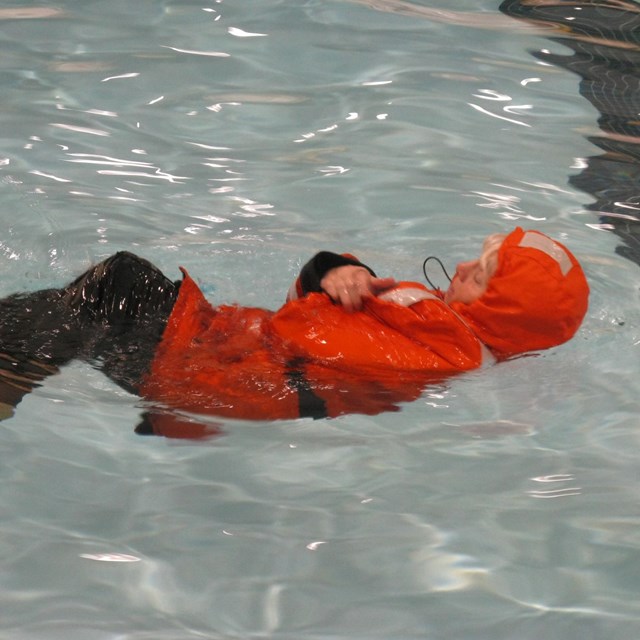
{"x": 536, "y": 299}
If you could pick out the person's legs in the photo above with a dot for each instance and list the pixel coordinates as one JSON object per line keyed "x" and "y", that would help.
{"x": 122, "y": 289}
{"x": 37, "y": 335}
{"x": 127, "y": 301}
{"x": 113, "y": 315}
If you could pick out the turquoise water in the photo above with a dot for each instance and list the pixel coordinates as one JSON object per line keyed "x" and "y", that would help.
{"x": 237, "y": 138}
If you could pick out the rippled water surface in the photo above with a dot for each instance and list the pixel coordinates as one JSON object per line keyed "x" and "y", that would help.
{"x": 237, "y": 138}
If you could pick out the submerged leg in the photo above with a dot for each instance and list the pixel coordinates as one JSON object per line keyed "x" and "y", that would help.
{"x": 113, "y": 314}
{"x": 38, "y": 334}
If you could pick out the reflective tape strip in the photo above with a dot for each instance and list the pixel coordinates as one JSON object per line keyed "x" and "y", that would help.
{"x": 407, "y": 297}
{"x": 547, "y": 245}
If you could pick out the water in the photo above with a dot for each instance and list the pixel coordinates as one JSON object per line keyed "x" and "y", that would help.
{"x": 236, "y": 138}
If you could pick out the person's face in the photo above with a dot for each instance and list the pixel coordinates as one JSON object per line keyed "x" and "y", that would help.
{"x": 469, "y": 283}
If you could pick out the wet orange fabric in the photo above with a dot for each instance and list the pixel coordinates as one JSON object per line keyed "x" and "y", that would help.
{"x": 218, "y": 360}
{"x": 383, "y": 339}
{"x": 251, "y": 363}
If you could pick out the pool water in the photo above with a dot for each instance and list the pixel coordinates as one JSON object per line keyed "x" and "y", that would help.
{"x": 237, "y": 138}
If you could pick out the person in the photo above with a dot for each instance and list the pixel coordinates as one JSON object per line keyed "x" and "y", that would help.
{"x": 345, "y": 341}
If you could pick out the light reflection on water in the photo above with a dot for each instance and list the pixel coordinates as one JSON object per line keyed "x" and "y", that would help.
{"x": 237, "y": 139}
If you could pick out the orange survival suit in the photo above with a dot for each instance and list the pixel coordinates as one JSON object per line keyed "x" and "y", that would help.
{"x": 312, "y": 358}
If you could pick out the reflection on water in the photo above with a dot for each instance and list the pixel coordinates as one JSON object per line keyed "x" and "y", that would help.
{"x": 604, "y": 37}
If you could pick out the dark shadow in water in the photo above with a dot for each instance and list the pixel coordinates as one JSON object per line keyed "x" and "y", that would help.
{"x": 604, "y": 36}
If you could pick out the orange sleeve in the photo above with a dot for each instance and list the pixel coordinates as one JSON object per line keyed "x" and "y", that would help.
{"x": 433, "y": 325}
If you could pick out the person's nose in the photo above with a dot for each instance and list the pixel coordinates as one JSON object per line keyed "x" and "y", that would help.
{"x": 463, "y": 269}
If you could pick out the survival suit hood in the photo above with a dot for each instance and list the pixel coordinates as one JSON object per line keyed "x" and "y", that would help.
{"x": 536, "y": 298}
